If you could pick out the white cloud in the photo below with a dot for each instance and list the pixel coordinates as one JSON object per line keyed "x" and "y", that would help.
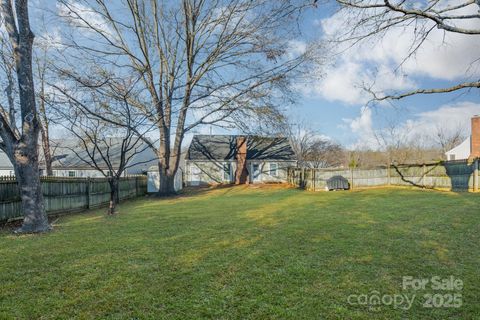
{"x": 448, "y": 116}
{"x": 422, "y": 125}
{"x": 347, "y": 80}
{"x": 342, "y": 83}
{"x": 362, "y": 128}
{"x": 82, "y": 16}
{"x": 363, "y": 123}
{"x": 296, "y": 48}
{"x": 444, "y": 56}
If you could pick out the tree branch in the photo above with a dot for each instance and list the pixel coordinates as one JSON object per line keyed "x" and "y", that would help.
{"x": 460, "y": 86}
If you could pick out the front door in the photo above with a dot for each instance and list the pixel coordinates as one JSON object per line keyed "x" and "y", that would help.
{"x": 255, "y": 172}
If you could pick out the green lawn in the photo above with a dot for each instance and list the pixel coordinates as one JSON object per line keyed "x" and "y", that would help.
{"x": 247, "y": 253}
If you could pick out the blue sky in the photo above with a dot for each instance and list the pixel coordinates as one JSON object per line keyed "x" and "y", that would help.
{"x": 333, "y": 104}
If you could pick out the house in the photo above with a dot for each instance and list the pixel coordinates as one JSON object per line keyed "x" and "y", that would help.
{"x": 70, "y": 155}
{"x": 470, "y": 147}
{"x": 6, "y": 167}
{"x": 460, "y": 152}
{"x": 68, "y": 160}
{"x": 224, "y": 159}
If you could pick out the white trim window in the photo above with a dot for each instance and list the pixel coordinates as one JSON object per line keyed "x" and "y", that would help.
{"x": 71, "y": 173}
{"x": 227, "y": 171}
{"x": 273, "y": 169}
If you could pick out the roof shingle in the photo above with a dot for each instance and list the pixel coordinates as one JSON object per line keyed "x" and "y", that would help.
{"x": 224, "y": 147}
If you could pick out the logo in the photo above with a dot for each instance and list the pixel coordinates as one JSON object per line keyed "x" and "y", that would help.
{"x": 441, "y": 293}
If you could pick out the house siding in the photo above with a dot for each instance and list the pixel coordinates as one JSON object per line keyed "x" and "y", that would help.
{"x": 266, "y": 175}
{"x": 82, "y": 173}
{"x": 211, "y": 172}
{"x": 460, "y": 152}
{"x": 7, "y": 172}
{"x": 208, "y": 172}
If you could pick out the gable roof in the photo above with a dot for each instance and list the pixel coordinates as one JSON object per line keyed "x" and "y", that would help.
{"x": 66, "y": 152}
{"x": 462, "y": 151}
{"x": 224, "y": 147}
{"x": 72, "y": 155}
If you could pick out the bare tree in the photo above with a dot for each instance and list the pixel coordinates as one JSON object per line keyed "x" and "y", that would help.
{"x": 394, "y": 141}
{"x": 312, "y": 149}
{"x": 325, "y": 153}
{"x": 301, "y": 137}
{"x": 108, "y": 148}
{"x": 448, "y": 138}
{"x": 200, "y": 62}
{"x": 401, "y": 142}
{"x": 373, "y": 19}
{"x": 20, "y": 136}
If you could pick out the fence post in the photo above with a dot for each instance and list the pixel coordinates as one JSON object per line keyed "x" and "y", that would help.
{"x": 351, "y": 178}
{"x": 389, "y": 177}
{"x": 475, "y": 175}
{"x": 314, "y": 178}
{"x": 136, "y": 186}
{"x": 88, "y": 193}
{"x": 423, "y": 175}
{"x": 302, "y": 178}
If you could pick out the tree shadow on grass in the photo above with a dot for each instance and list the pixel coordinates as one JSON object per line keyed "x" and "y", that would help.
{"x": 208, "y": 259}
{"x": 460, "y": 172}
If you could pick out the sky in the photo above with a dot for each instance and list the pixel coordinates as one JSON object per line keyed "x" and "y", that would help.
{"x": 333, "y": 104}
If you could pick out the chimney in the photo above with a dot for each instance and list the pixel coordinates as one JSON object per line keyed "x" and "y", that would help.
{"x": 475, "y": 138}
{"x": 241, "y": 173}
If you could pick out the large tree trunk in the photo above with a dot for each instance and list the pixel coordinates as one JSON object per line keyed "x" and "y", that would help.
{"x": 114, "y": 195}
{"x": 28, "y": 178}
{"x": 23, "y": 150}
{"x": 167, "y": 181}
{"x": 166, "y": 171}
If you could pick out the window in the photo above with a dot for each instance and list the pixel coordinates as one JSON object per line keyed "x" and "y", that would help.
{"x": 273, "y": 169}
{"x": 71, "y": 173}
{"x": 452, "y": 157}
{"x": 226, "y": 172}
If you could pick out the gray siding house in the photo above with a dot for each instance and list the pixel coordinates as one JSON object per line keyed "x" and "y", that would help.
{"x": 225, "y": 159}
{"x": 72, "y": 160}
{"x": 69, "y": 160}
{"x": 6, "y": 167}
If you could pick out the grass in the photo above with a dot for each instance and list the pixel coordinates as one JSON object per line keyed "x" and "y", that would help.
{"x": 247, "y": 253}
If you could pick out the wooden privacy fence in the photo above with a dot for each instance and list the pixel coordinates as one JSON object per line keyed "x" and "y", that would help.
{"x": 64, "y": 195}
{"x": 460, "y": 175}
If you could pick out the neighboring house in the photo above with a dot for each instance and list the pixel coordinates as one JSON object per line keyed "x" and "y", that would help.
{"x": 460, "y": 152}
{"x": 224, "y": 159}
{"x": 470, "y": 147}
{"x": 6, "y": 167}
{"x": 68, "y": 155}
